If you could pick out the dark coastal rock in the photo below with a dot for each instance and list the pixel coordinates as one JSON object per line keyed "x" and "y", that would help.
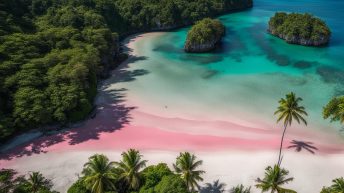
{"x": 322, "y": 40}
{"x": 203, "y": 47}
{"x": 302, "y": 29}
{"x": 204, "y": 36}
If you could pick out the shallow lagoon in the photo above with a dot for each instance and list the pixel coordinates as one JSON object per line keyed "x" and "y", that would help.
{"x": 243, "y": 80}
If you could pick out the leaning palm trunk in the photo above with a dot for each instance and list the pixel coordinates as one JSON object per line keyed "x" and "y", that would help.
{"x": 287, "y": 111}
{"x": 281, "y": 146}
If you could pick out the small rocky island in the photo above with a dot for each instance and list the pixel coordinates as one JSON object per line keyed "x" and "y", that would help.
{"x": 204, "y": 36}
{"x": 302, "y": 29}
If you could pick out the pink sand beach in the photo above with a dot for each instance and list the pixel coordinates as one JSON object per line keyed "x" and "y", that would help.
{"x": 235, "y": 143}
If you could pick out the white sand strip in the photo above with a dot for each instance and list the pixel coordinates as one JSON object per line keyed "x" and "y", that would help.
{"x": 311, "y": 172}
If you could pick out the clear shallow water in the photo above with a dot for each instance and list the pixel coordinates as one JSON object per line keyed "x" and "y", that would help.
{"x": 245, "y": 78}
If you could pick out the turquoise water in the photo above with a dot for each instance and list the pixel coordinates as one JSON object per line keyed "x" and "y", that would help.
{"x": 249, "y": 49}
{"x": 251, "y": 70}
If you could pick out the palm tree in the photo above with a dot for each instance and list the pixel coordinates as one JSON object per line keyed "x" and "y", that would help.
{"x": 129, "y": 168}
{"x": 240, "y": 189}
{"x": 273, "y": 180}
{"x": 36, "y": 181}
{"x": 215, "y": 187}
{"x": 288, "y": 110}
{"x": 99, "y": 175}
{"x": 335, "y": 109}
{"x": 338, "y": 185}
{"x": 186, "y": 165}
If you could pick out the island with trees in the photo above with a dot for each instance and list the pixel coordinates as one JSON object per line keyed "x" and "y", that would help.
{"x": 302, "y": 29}
{"x": 204, "y": 36}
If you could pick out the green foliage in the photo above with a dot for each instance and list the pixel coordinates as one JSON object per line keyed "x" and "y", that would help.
{"x": 35, "y": 183}
{"x": 52, "y": 52}
{"x": 288, "y": 110}
{"x": 78, "y": 187}
{"x": 206, "y": 30}
{"x": 335, "y": 109}
{"x": 30, "y": 107}
{"x": 7, "y": 180}
{"x": 273, "y": 180}
{"x": 152, "y": 175}
{"x": 171, "y": 184}
{"x": 186, "y": 165}
{"x": 240, "y": 189}
{"x": 336, "y": 187}
{"x": 99, "y": 175}
{"x": 129, "y": 169}
{"x": 299, "y": 25}
{"x": 326, "y": 190}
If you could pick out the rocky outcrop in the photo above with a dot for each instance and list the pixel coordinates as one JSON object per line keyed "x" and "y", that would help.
{"x": 204, "y": 36}
{"x": 322, "y": 40}
{"x": 303, "y": 29}
{"x": 202, "y": 47}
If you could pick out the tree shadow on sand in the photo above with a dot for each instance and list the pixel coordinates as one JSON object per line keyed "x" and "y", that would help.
{"x": 215, "y": 187}
{"x": 302, "y": 145}
{"x": 111, "y": 115}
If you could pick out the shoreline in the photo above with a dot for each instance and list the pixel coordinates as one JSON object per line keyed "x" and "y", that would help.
{"x": 123, "y": 122}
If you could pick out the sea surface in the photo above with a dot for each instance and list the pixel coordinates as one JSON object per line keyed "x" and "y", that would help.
{"x": 250, "y": 72}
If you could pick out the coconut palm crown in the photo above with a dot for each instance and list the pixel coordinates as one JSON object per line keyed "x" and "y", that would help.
{"x": 336, "y": 187}
{"x": 99, "y": 175}
{"x": 129, "y": 168}
{"x": 36, "y": 181}
{"x": 288, "y": 110}
{"x": 240, "y": 189}
{"x": 273, "y": 180}
{"x": 186, "y": 165}
{"x": 335, "y": 109}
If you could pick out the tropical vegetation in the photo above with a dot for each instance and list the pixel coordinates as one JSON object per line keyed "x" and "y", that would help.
{"x": 100, "y": 175}
{"x": 204, "y": 35}
{"x": 334, "y": 110}
{"x": 289, "y": 110}
{"x": 240, "y": 189}
{"x": 274, "y": 178}
{"x": 131, "y": 175}
{"x": 34, "y": 182}
{"x": 129, "y": 169}
{"x": 336, "y": 187}
{"x": 294, "y": 27}
{"x": 186, "y": 165}
{"x": 52, "y": 52}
